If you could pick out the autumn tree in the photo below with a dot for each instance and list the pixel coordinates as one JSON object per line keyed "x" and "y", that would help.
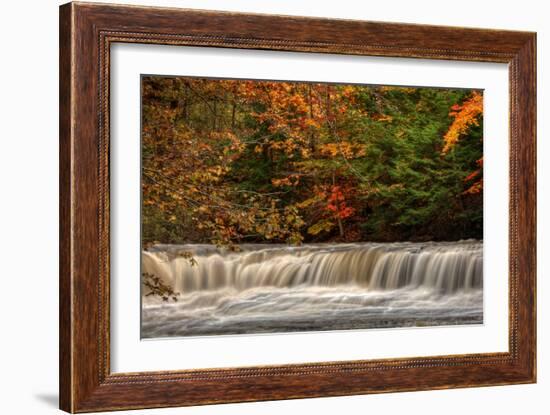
{"x": 467, "y": 116}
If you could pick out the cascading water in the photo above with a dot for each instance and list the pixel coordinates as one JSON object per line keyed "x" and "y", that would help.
{"x": 270, "y": 288}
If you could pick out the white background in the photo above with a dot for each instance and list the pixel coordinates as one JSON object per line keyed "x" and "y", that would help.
{"x": 129, "y": 354}
{"x": 28, "y": 209}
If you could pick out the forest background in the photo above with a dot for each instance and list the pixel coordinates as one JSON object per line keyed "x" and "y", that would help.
{"x": 239, "y": 161}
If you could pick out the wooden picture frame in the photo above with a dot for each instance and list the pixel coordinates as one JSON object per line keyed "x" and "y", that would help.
{"x": 86, "y": 33}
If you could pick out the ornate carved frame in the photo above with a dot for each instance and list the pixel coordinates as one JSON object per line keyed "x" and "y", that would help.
{"x": 86, "y": 33}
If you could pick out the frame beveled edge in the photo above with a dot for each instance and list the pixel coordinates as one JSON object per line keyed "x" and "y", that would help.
{"x": 86, "y": 33}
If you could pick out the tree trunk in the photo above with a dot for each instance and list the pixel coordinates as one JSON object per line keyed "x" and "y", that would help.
{"x": 312, "y": 143}
{"x": 215, "y": 114}
{"x": 338, "y": 218}
{"x": 233, "y": 111}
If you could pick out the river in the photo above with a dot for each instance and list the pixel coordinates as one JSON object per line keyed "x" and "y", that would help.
{"x": 313, "y": 287}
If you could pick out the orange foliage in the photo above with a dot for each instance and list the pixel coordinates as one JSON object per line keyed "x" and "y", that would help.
{"x": 292, "y": 180}
{"x": 344, "y": 148}
{"x": 465, "y": 116}
{"x": 477, "y": 187}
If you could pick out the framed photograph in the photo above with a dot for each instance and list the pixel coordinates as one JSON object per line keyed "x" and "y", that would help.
{"x": 259, "y": 207}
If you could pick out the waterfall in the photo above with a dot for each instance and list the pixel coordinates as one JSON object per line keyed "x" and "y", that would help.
{"x": 280, "y": 288}
{"x": 445, "y": 267}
